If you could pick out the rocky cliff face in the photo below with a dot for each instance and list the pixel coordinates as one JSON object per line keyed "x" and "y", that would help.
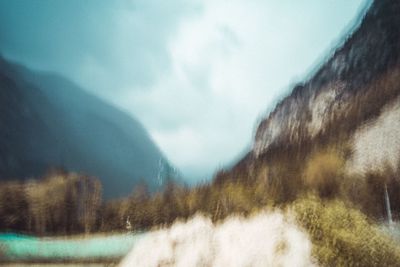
{"x": 352, "y": 88}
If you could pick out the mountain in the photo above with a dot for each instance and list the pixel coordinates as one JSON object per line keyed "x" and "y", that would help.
{"x": 350, "y": 105}
{"x": 350, "y": 89}
{"x": 47, "y": 121}
{"x": 356, "y": 88}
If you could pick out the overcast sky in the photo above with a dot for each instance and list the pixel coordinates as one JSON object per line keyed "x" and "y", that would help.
{"x": 197, "y": 74}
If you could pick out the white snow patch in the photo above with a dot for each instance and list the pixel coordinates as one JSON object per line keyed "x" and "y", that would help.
{"x": 267, "y": 239}
{"x": 377, "y": 144}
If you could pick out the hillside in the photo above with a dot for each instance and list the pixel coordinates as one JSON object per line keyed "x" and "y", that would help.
{"x": 349, "y": 107}
{"x": 49, "y": 122}
{"x": 348, "y": 90}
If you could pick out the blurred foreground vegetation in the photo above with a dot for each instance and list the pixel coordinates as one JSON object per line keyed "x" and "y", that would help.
{"x": 341, "y": 213}
{"x": 60, "y": 203}
{"x": 344, "y": 236}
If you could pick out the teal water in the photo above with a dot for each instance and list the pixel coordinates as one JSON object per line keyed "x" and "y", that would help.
{"x": 22, "y": 247}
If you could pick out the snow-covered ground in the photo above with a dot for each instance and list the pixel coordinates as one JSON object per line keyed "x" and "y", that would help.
{"x": 266, "y": 239}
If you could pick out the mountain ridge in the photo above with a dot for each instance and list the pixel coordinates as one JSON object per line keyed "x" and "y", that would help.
{"x": 74, "y": 130}
{"x": 369, "y": 52}
{"x": 344, "y": 120}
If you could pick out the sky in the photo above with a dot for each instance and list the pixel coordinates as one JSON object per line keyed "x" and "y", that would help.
{"x": 199, "y": 75}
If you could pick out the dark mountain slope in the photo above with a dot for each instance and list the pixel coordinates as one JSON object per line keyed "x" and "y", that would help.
{"x": 47, "y": 121}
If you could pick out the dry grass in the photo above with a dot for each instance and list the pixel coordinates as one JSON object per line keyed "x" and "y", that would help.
{"x": 343, "y": 236}
{"x": 323, "y": 172}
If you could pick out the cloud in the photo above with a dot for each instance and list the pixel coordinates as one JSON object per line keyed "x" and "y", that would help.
{"x": 227, "y": 65}
{"x": 197, "y": 74}
{"x": 104, "y": 45}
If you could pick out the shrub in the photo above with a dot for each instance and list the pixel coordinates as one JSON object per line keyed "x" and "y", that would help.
{"x": 323, "y": 173}
{"x": 343, "y": 236}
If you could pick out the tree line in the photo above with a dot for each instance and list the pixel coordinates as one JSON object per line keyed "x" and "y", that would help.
{"x": 64, "y": 203}
{"x": 59, "y": 203}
